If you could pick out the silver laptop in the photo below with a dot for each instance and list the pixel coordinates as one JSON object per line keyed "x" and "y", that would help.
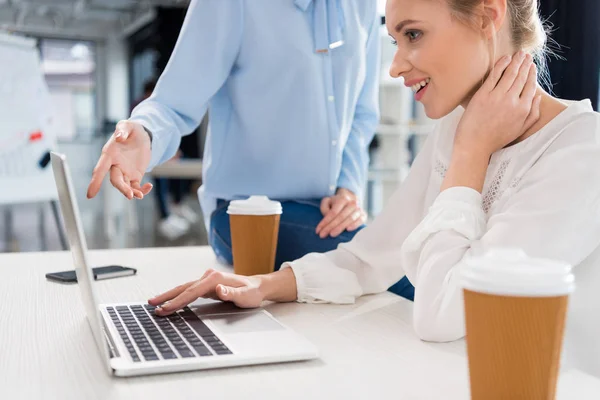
{"x": 208, "y": 334}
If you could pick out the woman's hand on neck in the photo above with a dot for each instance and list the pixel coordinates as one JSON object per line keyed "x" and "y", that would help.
{"x": 503, "y": 109}
{"x": 550, "y": 107}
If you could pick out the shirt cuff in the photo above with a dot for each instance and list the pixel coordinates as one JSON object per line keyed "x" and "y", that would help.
{"x": 317, "y": 282}
{"x": 460, "y": 194}
{"x": 301, "y": 296}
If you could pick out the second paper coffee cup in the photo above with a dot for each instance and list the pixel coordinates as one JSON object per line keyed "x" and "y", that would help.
{"x": 254, "y": 230}
{"x": 515, "y": 311}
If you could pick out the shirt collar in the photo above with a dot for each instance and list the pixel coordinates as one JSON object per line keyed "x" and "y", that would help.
{"x": 303, "y": 4}
{"x": 327, "y": 23}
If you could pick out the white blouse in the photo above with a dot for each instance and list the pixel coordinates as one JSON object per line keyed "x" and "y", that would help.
{"x": 541, "y": 195}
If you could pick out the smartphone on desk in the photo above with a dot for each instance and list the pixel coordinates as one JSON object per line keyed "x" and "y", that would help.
{"x": 107, "y": 272}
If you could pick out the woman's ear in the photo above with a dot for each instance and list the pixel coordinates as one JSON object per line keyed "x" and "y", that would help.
{"x": 494, "y": 16}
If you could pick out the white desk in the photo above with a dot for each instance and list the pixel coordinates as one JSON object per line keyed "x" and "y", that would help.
{"x": 368, "y": 350}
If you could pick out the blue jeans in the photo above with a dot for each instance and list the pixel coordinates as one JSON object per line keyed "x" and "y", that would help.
{"x": 297, "y": 237}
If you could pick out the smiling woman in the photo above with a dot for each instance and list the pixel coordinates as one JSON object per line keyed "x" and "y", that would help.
{"x": 444, "y": 45}
{"x": 507, "y": 166}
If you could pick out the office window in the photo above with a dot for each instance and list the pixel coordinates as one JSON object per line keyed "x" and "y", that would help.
{"x": 70, "y": 70}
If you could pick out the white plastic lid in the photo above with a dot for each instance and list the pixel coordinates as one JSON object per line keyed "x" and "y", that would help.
{"x": 511, "y": 272}
{"x": 255, "y": 205}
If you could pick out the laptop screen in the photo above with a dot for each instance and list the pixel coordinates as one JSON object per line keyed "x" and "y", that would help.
{"x": 70, "y": 212}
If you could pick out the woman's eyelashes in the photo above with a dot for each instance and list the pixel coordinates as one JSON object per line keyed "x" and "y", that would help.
{"x": 411, "y": 35}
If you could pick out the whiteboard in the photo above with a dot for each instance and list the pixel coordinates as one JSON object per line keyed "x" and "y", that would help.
{"x": 25, "y": 124}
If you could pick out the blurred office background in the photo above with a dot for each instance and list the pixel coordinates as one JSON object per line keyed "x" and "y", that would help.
{"x": 97, "y": 56}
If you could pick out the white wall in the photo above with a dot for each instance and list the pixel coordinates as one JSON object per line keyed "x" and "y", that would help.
{"x": 117, "y": 79}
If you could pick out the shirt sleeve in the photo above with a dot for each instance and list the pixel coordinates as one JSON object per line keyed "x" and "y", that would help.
{"x": 554, "y": 213}
{"x": 203, "y": 57}
{"x": 370, "y": 263}
{"x": 355, "y": 157}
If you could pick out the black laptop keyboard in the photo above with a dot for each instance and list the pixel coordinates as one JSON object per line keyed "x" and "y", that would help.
{"x": 179, "y": 335}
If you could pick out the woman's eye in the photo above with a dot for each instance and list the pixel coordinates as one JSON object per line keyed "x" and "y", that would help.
{"x": 394, "y": 43}
{"x": 413, "y": 35}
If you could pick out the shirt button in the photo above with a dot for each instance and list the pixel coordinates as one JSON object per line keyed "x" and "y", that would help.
{"x": 334, "y": 142}
{"x": 332, "y": 188}
{"x": 330, "y": 98}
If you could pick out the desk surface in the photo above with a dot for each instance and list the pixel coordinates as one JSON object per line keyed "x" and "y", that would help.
{"x": 368, "y": 350}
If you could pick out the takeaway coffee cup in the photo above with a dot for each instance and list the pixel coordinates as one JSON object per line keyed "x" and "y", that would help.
{"x": 254, "y": 229}
{"x": 515, "y": 311}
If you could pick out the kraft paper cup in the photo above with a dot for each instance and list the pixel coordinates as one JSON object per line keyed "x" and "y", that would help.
{"x": 515, "y": 311}
{"x": 254, "y": 230}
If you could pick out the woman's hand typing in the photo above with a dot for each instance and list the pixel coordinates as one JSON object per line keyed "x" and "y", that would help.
{"x": 243, "y": 291}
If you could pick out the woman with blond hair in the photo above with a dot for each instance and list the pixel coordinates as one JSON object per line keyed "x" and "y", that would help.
{"x": 507, "y": 165}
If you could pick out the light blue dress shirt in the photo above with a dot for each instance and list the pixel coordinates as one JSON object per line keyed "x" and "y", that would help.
{"x": 292, "y": 91}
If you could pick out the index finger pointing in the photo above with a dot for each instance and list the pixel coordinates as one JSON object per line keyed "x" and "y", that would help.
{"x": 100, "y": 171}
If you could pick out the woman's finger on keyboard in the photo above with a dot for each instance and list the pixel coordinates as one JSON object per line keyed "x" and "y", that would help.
{"x": 200, "y": 288}
{"x": 161, "y": 298}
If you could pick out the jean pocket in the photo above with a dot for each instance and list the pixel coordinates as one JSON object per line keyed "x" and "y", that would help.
{"x": 220, "y": 241}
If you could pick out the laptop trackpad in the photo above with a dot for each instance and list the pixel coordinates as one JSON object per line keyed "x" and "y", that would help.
{"x": 244, "y": 322}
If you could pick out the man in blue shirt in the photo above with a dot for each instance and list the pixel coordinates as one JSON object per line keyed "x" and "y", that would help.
{"x": 292, "y": 89}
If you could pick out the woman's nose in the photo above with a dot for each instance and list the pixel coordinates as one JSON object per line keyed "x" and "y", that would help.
{"x": 400, "y": 65}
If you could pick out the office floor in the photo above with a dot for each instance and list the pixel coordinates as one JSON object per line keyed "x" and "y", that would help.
{"x": 21, "y": 230}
